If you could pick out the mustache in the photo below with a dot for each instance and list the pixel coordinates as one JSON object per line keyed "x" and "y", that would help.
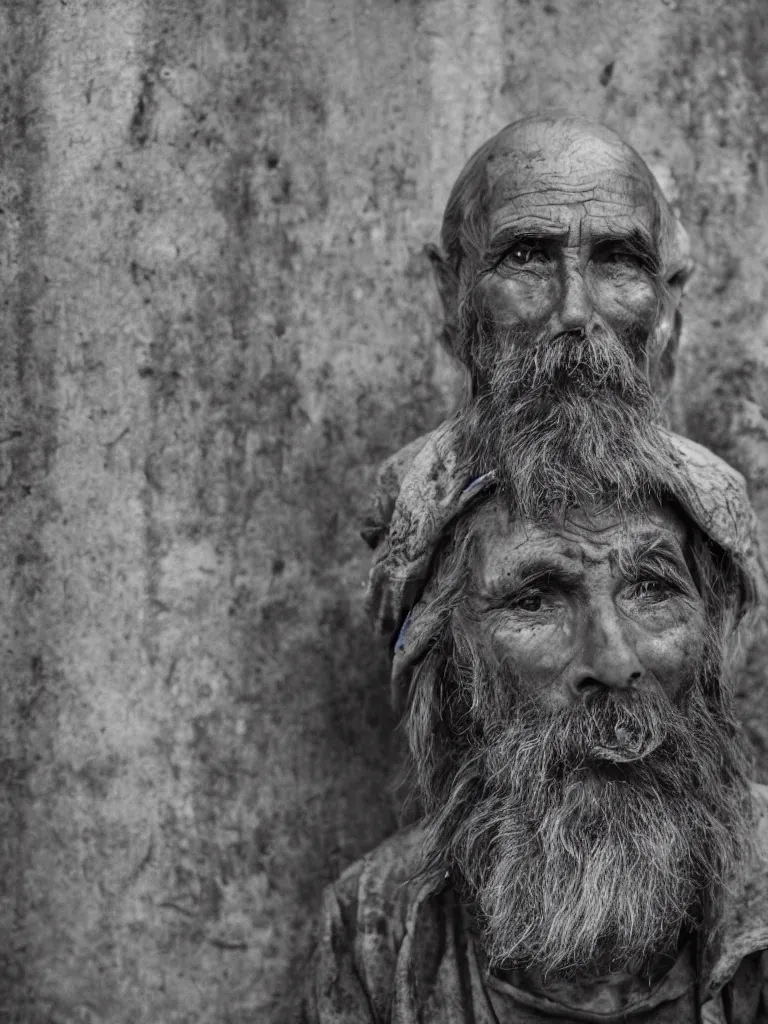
{"x": 490, "y": 342}
{"x": 617, "y": 728}
{"x": 520, "y": 754}
{"x": 587, "y": 362}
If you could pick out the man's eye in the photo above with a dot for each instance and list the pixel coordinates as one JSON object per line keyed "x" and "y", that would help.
{"x": 530, "y": 603}
{"x": 651, "y": 591}
{"x": 523, "y": 253}
{"x": 624, "y": 257}
{"x": 621, "y": 258}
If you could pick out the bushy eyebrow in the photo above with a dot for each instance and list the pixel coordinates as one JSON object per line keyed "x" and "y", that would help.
{"x": 637, "y": 242}
{"x": 529, "y": 573}
{"x": 658, "y": 555}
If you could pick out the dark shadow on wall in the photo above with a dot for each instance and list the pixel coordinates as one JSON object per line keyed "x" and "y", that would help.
{"x": 353, "y": 748}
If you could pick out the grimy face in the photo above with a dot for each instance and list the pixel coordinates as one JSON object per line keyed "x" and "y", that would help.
{"x": 593, "y": 605}
{"x": 564, "y": 312}
{"x": 572, "y": 228}
{"x": 572, "y": 741}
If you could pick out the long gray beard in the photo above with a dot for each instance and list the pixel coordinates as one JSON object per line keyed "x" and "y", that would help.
{"x": 579, "y": 868}
{"x": 564, "y": 419}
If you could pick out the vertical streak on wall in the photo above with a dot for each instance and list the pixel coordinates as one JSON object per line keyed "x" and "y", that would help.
{"x": 466, "y": 73}
{"x": 90, "y": 816}
{"x": 27, "y": 426}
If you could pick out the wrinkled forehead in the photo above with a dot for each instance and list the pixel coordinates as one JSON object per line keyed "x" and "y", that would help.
{"x": 540, "y": 169}
{"x": 589, "y": 536}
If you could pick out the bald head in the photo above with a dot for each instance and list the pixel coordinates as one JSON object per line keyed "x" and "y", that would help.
{"x": 576, "y": 191}
{"x": 568, "y": 155}
{"x": 559, "y": 146}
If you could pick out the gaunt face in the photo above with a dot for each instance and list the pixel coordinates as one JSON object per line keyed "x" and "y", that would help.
{"x": 573, "y": 225}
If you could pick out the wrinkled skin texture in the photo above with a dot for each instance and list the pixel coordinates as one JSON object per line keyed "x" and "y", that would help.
{"x": 595, "y": 604}
{"x": 572, "y": 230}
{"x": 572, "y": 224}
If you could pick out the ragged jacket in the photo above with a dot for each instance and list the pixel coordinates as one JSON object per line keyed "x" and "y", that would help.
{"x": 394, "y": 950}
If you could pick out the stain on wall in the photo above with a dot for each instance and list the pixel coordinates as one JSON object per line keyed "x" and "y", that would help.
{"x": 217, "y": 319}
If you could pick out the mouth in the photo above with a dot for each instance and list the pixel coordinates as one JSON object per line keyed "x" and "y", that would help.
{"x": 629, "y": 746}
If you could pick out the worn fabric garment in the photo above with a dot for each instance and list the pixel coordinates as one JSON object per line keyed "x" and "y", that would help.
{"x": 424, "y": 488}
{"x": 395, "y": 950}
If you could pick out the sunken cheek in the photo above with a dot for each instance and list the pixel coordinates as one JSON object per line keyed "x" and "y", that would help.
{"x": 622, "y": 300}
{"x": 529, "y": 298}
{"x": 539, "y": 653}
{"x": 669, "y": 654}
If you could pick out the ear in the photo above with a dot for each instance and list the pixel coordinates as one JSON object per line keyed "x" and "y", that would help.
{"x": 677, "y": 282}
{"x": 669, "y": 327}
{"x": 448, "y": 288}
{"x": 682, "y": 263}
{"x": 668, "y": 361}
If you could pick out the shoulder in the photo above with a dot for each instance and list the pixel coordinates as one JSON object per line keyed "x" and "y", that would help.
{"x": 715, "y": 495}
{"x": 376, "y": 893}
{"x": 720, "y": 491}
{"x": 744, "y": 925}
{"x": 367, "y": 914}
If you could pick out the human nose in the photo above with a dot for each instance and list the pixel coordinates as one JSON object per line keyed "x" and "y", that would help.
{"x": 607, "y": 659}
{"x": 575, "y": 306}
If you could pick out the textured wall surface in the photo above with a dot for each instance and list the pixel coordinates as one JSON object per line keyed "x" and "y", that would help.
{"x": 216, "y": 319}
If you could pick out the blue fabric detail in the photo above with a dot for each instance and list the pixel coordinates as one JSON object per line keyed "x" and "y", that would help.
{"x": 400, "y": 642}
{"x": 479, "y": 481}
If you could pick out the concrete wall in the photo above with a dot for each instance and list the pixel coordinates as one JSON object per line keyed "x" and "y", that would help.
{"x": 216, "y": 319}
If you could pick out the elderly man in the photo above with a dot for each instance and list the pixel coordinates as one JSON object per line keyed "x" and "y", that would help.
{"x": 592, "y": 846}
{"x": 556, "y": 237}
{"x": 564, "y": 269}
